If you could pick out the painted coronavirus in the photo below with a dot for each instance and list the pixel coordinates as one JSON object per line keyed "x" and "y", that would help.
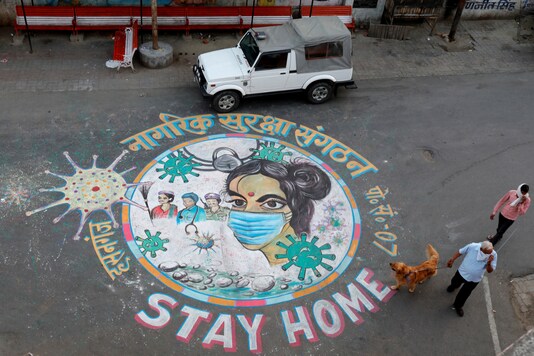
{"x": 89, "y": 190}
{"x": 176, "y": 165}
{"x": 151, "y": 243}
{"x": 305, "y": 255}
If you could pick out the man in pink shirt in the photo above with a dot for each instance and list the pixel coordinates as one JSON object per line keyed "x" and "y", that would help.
{"x": 514, "y": 204}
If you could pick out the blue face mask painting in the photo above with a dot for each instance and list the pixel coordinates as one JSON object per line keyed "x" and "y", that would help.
{"x": 255, "y": 228}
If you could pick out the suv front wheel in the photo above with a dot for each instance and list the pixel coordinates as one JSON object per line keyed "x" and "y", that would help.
{"x": 226, "y": 101}
{"x": 319, "y": 92}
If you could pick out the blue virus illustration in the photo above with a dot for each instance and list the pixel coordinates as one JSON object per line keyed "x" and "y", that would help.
{"x": 270, "y": 152}
{"x": 204, "y": 242}
{"x": 151, "y": 244}
{"x": 305, "y": 255}
{"x": 177, "y": 166}
{"x": 89, "y": 190}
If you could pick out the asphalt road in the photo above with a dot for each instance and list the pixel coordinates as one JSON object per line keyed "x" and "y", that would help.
{"x": 446, "y": 148}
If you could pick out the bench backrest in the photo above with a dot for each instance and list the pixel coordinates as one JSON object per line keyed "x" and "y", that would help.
{"x": 344, "y": 13}
{"x": 77, "y": 18}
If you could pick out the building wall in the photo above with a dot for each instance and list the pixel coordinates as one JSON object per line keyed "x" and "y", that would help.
{"x": 491, "y": 9}
{"x": 364, "y": 11}
{"x": 474, "y": 10}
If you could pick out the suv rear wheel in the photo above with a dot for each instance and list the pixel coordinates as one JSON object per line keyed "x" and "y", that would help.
{"x": 319, "y": 92}
{"x": 226, "y": 101}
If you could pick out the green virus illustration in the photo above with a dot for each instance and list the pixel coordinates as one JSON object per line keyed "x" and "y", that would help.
{"x": 270, "y": 152}
{"x": 177, "y": 166}
{"x": 305, "y": 255}
{"x": 338, "y": 239}
{"x": 337, "y": 222}
{"x": 151, "y": 244}
{"x": 322, "y": 228}
{"x": 89, "y": 190}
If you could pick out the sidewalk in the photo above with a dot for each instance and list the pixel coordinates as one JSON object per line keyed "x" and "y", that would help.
{"x": 522, "y": 295}
{"x": 523, "y": 298}
{"x": 524, "y": 346}
{"x": 59, "y": 65}
{"x": 482, "y": 47}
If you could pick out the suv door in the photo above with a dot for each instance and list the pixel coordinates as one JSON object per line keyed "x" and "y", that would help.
{"x": 270, "y": 73}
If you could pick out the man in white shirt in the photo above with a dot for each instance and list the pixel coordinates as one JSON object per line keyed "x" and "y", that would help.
{"x": 479, "y": 257}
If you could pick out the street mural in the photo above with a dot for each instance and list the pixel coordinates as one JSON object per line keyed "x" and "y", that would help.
{"x": 245, "y": 218}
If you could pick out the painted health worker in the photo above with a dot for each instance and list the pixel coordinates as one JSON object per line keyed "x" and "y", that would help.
{"x": 192, "y": 212}
{"x": 165, "y": 210}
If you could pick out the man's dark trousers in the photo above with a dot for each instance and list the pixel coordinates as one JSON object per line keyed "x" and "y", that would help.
{"x": 464, "y": 292}
{"x": 504, "y": 224}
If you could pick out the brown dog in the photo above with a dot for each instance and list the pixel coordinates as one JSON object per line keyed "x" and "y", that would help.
{"x": 411, "y": 275}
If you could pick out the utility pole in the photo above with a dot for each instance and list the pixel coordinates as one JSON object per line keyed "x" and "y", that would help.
{"x": 141, "y": 18}
{"x": 456, "y": 20}
{"x": 26, "y": 24}
{"x": 154, "y": 8}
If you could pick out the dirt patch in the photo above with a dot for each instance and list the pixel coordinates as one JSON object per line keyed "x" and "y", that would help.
{"x": 523, "y": 299}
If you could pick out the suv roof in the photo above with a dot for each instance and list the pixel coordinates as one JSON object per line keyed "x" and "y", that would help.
{"x": 302, "y": 32}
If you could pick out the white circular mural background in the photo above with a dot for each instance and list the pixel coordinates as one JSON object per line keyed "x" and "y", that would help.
{"x": 242, "y": 220}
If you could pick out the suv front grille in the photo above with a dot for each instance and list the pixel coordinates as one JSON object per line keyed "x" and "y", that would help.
{"x": 199, "y": 75}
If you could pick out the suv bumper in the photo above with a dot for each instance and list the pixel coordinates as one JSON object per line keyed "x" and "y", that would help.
{"x": 200, "y": 79}
{"x": 349, "y": 84}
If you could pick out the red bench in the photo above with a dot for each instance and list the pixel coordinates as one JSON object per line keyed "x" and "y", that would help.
{"x": 124, "y": 48}
{"x": 45, "y": 18}
{"x": 187, "y": 18}
{"x": 169, "y": 18}
{"x": 344, "y": 13}
{"x": 264, "y": 15}
{"x": 104, "y": 18}
{"x": 212, "y": 17}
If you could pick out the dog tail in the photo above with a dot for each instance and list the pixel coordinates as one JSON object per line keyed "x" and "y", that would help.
{"x": 431, "y": 253}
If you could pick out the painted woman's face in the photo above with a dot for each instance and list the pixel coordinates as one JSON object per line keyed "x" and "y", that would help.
{"x": 162, "y": 199}
{"x": 257, "y": 194}
{"x": 260, "y": 214}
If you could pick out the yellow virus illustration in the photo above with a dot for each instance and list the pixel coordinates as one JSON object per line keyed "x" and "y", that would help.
{"x": 89, "y": 190}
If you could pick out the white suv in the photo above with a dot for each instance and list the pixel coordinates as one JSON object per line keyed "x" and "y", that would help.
{"x": 310, "y": 54}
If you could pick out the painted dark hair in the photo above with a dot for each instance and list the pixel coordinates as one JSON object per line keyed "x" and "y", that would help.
{"x": 168, "y": 195}
{"x": 524, "y": 188}
{"x": 301, "y": 182}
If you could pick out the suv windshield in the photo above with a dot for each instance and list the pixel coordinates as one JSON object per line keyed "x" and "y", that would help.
{"x": 249, "y": 47}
